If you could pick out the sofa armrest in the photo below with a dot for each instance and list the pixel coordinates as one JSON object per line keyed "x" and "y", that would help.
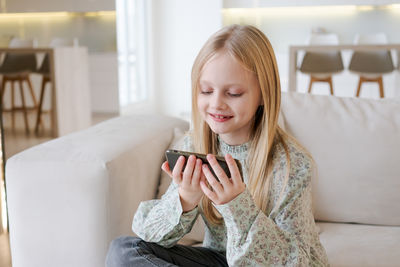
{"x": 70, "y": 197}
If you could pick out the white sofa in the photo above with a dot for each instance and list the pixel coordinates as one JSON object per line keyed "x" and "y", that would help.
{"x": 68, "y": 198}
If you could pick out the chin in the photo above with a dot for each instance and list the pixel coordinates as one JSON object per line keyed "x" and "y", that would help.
{"x": 218, "y": 130}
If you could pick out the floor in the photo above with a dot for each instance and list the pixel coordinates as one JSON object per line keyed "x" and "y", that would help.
{"x": 16, "y": 140}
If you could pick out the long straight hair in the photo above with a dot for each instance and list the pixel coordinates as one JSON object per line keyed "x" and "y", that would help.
{"x": 253, "y": 50}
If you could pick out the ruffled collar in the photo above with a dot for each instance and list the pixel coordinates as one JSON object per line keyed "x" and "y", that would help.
{"x": 238, "y": 151}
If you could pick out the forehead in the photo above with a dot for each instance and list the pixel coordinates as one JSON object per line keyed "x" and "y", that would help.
{"x": 223, "y": 68}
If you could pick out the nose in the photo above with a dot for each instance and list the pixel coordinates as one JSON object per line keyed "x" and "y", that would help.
{"x": 217, "y": 101}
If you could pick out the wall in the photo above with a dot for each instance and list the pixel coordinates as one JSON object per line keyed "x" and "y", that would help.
{"x": 180, "y": 28}
{"x": 103, "y": 77}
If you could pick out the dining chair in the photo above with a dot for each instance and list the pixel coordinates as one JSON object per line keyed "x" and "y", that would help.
{"x": 45, "y": 71}
{"x": 371, "y": 66}
{"x": 17, "y": 67}
{"x": 321, "y": 66}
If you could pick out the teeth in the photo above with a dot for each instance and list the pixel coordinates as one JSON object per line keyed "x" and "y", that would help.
{"x": 220, "y": 117}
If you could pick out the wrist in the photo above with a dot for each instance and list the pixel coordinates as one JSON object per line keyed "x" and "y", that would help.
{"x": 187, "y": 206}
{"x": 188, "y": 202}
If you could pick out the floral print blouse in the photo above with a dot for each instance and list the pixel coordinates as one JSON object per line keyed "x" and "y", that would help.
{"x": 285, "y": 236}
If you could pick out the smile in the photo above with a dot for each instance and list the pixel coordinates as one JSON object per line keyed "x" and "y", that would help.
{"x": 220, "y": 118}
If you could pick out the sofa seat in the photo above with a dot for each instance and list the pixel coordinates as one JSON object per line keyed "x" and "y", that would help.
{"x": 360, "y": 245}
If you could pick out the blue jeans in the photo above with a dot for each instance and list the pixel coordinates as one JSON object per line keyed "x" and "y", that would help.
{"x": 132, "y": 251}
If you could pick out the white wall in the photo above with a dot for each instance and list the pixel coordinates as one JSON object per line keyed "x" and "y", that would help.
{"x": 180, "y": 28}
{"x": 103, "y": 76}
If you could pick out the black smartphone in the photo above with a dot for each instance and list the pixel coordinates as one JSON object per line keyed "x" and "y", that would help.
{"x": 173, "y": 155}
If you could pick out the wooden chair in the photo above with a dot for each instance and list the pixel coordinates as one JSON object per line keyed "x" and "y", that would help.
{"x": 371, "y": 66}
{"x": 17, "y": 67}
{"x": 322, "y": 66}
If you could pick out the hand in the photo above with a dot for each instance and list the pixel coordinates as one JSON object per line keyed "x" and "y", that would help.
{"x": 188, "y": 181}
{"x": 228, "y": 188}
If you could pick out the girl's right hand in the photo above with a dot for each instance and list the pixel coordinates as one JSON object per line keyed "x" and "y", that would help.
{"x": 188, "y": 180}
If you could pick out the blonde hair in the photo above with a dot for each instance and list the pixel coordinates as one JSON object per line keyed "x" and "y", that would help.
{"x": 253, "y": 50}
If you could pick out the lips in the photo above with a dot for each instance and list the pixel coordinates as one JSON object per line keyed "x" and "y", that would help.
{"x": 220, "y": 117}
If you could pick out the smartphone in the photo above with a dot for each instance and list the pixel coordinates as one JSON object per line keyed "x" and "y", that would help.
{"x": 173, "y": 155}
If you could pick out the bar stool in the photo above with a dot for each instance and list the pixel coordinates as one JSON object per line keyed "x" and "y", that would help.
{"x": 371, "y": 66}
{"x": 322, "y": 65}
{"x": 44, "y": 70}
{"x": 17, "y": 68}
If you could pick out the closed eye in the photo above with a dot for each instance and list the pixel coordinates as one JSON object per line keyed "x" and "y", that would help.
{"x": 235, "y": 95}
{"x": 205, "y": 92}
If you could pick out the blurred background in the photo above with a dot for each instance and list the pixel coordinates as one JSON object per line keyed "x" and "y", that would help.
{"x": 140, "y": 52}
{"x": 158, "y": 40}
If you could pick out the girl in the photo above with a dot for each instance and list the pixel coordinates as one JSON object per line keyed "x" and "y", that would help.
{"x": 264, "y": 219}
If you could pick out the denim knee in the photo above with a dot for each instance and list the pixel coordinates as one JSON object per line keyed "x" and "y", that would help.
{"x": 119, "y": 250}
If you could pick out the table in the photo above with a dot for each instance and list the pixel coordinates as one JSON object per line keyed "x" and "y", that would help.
{"x": 70, "y": 96}
{"x": 293, "y": 50}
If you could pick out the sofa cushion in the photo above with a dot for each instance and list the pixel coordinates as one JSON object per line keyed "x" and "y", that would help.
{"x": 360, "y": 245}
{"x": 356, "y": 146}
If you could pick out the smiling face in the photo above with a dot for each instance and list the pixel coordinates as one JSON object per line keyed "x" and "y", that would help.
{"x": 228, "y": 98}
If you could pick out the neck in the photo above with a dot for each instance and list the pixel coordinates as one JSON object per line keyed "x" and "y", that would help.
{"x": 234, "y": 141}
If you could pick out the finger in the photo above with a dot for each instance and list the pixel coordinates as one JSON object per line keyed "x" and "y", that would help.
{"x": 234, "y": 169}
{"x": 197, "y": 172}
{"x": 216, "y": 186}
{"x": 210, "y": 194}
{"x": 177, "y": 171}
{"x": 203, "y": 177}
{"x": 188, "y": 172}
{"x": 218, "y": 171}
{"x": 165, "y": 167}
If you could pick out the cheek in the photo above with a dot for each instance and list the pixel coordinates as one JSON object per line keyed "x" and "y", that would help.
{"x": 246, "y": 110}
{"x": 243, "y": 107}
{"x": 201, "y": 104}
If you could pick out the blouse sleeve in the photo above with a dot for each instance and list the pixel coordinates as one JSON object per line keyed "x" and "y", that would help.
{"x": 162, "y": 220}
{"x": 288, "y": 239}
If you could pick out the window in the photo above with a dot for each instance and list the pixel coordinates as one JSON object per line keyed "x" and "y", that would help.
{"x": 132, "y": 51}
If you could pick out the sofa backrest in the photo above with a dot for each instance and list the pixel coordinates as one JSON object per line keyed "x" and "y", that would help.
{"x": 356, "y": 146}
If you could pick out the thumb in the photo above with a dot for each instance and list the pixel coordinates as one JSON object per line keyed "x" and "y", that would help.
{"x": 165, "y": 168}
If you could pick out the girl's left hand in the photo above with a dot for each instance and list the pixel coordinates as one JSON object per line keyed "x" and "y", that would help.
{"x": 228, "y": 188}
